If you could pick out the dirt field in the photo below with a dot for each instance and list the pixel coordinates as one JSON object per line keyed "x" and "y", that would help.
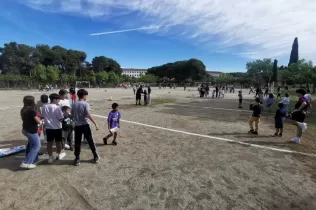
{"x": 189, "y": 154}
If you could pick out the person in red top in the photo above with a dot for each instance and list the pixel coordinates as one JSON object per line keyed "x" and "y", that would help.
{"x": 299, "y": 114}
{"x": 72, "y": 91}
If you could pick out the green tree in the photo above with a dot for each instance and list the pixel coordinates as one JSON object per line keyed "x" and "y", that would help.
{"x": 113, "y": 78}
{"x": 102, "y": 77}
{"x": 294, "y": 52}
{"x": 102, "y": 63}
{"x": 39, "y": 73}
{"x": 275, "y": 71}
{"x": 148, "y": 78}
{"x": 52, "y": 73}
{"x": 261, "y": 70}
{"x": 224, "y": 78}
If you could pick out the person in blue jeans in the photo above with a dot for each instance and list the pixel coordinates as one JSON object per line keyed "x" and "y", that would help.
{"x": 29, "y": 129}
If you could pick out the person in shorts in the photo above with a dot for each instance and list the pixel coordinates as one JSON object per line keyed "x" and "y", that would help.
{"x": 113, "y": 124}
{"x": 255, "y": 118}
{"x": 298, "y": 115}
{"x": 81, "y": 112}
{"x": 53, "y": 116}
{"x": 279, "y": 119}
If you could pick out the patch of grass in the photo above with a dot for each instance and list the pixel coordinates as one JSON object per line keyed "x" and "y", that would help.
{"x": 157, "y": 101}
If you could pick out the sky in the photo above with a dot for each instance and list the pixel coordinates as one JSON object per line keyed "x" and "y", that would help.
{"x": 224, "y": 34}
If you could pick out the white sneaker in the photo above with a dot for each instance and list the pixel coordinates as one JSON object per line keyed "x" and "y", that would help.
{"x": 61, "y": 155}
{"x": 296, "y": 140}
{"x": 27, "y": 166}
{"x": 67, "y": 146}
{"x": 51, "y": 159}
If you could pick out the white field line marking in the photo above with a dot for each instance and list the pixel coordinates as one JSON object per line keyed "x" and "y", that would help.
{"x": 215, "y": 138}
{"x": 208, "y": 107}
{"x": 3, "y": 108}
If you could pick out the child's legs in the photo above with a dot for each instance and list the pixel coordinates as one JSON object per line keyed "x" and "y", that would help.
{"x": 251, "y": 120}
{"x": 299, "y": 132}
{"x": 50, "y": 139}
{"x": 88, "y": 135}
{"x": 58, "y": 134}
{"x": 115, "y": 136}
{"x": 70, "y": 138}
{"x": 257, "y": 120}
{"x": 78, "y": 136}
{"x": 34, "y": 147}
{"x": 277, "y": 130}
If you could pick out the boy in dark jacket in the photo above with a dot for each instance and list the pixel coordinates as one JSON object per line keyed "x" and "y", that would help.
{"x": 279, "y": 119}
{"x": 255, "y": 118}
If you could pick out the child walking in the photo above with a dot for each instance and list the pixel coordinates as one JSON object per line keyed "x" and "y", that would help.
{"x": 81, "y": 112}
{"x": 53, "y": 116}
{"x": 240, "y": 99}
{"x": 270, "y": 101}
{"x": 279, "y": 119}
{"x": 145, "y": 98}
{"x": 255, "y": 118}
{"x": 67, "y": 126}
{"x": 113, "y": 124}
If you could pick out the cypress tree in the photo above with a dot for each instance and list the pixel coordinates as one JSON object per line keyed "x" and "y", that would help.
{"x": 294, "y": 52}
{"x": 275, "y": 71}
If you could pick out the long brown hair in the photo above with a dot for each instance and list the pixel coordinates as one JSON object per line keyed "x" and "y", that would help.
{"x": 28, "y": 103}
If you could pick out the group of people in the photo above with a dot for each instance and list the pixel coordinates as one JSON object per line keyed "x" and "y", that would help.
{"x": 218, "y": 92}
{"x": 296, "y": 117}
{"x": 58, "y": 119}
{"x": 138, "y": 91}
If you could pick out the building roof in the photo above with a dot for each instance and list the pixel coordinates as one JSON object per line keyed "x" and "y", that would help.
{"x": 214, "y": 72}
{"x": 131, "y": 69}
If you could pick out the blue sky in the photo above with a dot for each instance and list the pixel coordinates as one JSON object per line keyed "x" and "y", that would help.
{"x": 223, "y": 35}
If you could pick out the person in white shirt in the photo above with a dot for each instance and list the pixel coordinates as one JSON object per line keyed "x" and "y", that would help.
{"x": 286, "y": 100}
{"x": 53, "y": 116}
{"x": 63, "y": 98}
{"x": 308, "y": 98}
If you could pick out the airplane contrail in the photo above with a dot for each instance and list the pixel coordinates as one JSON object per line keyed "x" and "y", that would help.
{"x": 127, "y": 30}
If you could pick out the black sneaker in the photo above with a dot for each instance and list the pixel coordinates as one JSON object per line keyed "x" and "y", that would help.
{"x": 280, "y": 135}
{"x": 251, "y": 131}
{"x": 275, "y": 135}
{"x": 77, "y": 162}
{"x": 255, "y": 132}
{"x": 114, "y": 143}
{"x": 96, "y": 159}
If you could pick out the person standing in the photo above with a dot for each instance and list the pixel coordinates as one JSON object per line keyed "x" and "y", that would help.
{"x": 53, "y": 116}
{"x": 29, "y": 129}
{"x": 72, "y": 91}
{"x": 134, "y": 89}
{"x": 139, "y": 95}
{"x": 216, "y": 89}
{"x": 63, "y": 98}
{"x": 81, "y": 112}
{"x": 255, "y": 118}
{"x": 298, "y": 115}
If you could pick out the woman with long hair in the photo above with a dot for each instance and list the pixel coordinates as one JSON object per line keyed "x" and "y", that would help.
{"x": 30, "y": 126}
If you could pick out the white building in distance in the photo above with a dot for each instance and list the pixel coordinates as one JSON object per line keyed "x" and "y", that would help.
{"x": 214, "y": 73}
{"x": 134, "y": 72}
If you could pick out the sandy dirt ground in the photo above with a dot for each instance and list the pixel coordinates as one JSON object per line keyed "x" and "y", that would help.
{"x": 180, "y": 155}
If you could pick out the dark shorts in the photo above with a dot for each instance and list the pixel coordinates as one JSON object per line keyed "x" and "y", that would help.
{"x": 54, "y": 134}
{"x": 240, "y": 100}
{"x": 278, "y": 125}
{"x": 138, "y": 96}
{"x": 298, "y": 116}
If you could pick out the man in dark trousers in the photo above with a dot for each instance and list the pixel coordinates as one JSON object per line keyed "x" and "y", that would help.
{"x": 216, "y": 89}
{"x": 139, "y": 95}
{"x": 149, "y": 90}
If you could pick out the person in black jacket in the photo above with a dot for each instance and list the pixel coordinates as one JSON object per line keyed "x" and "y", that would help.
{"x": 255, "y": 118}
{"x": 139, "y": 95}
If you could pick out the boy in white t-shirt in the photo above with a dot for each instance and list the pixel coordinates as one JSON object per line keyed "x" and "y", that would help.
{"x": 286, "y": 100}
{"x": 63, "y": 98}
{"x": 53, "y": 116}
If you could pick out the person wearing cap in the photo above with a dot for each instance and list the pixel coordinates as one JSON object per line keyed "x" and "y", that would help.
{"x": 63, "y": 98}
{"x": 53, "y": 116}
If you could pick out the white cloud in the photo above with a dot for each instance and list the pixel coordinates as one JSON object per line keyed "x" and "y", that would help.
{"x": 261, "y": 28}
